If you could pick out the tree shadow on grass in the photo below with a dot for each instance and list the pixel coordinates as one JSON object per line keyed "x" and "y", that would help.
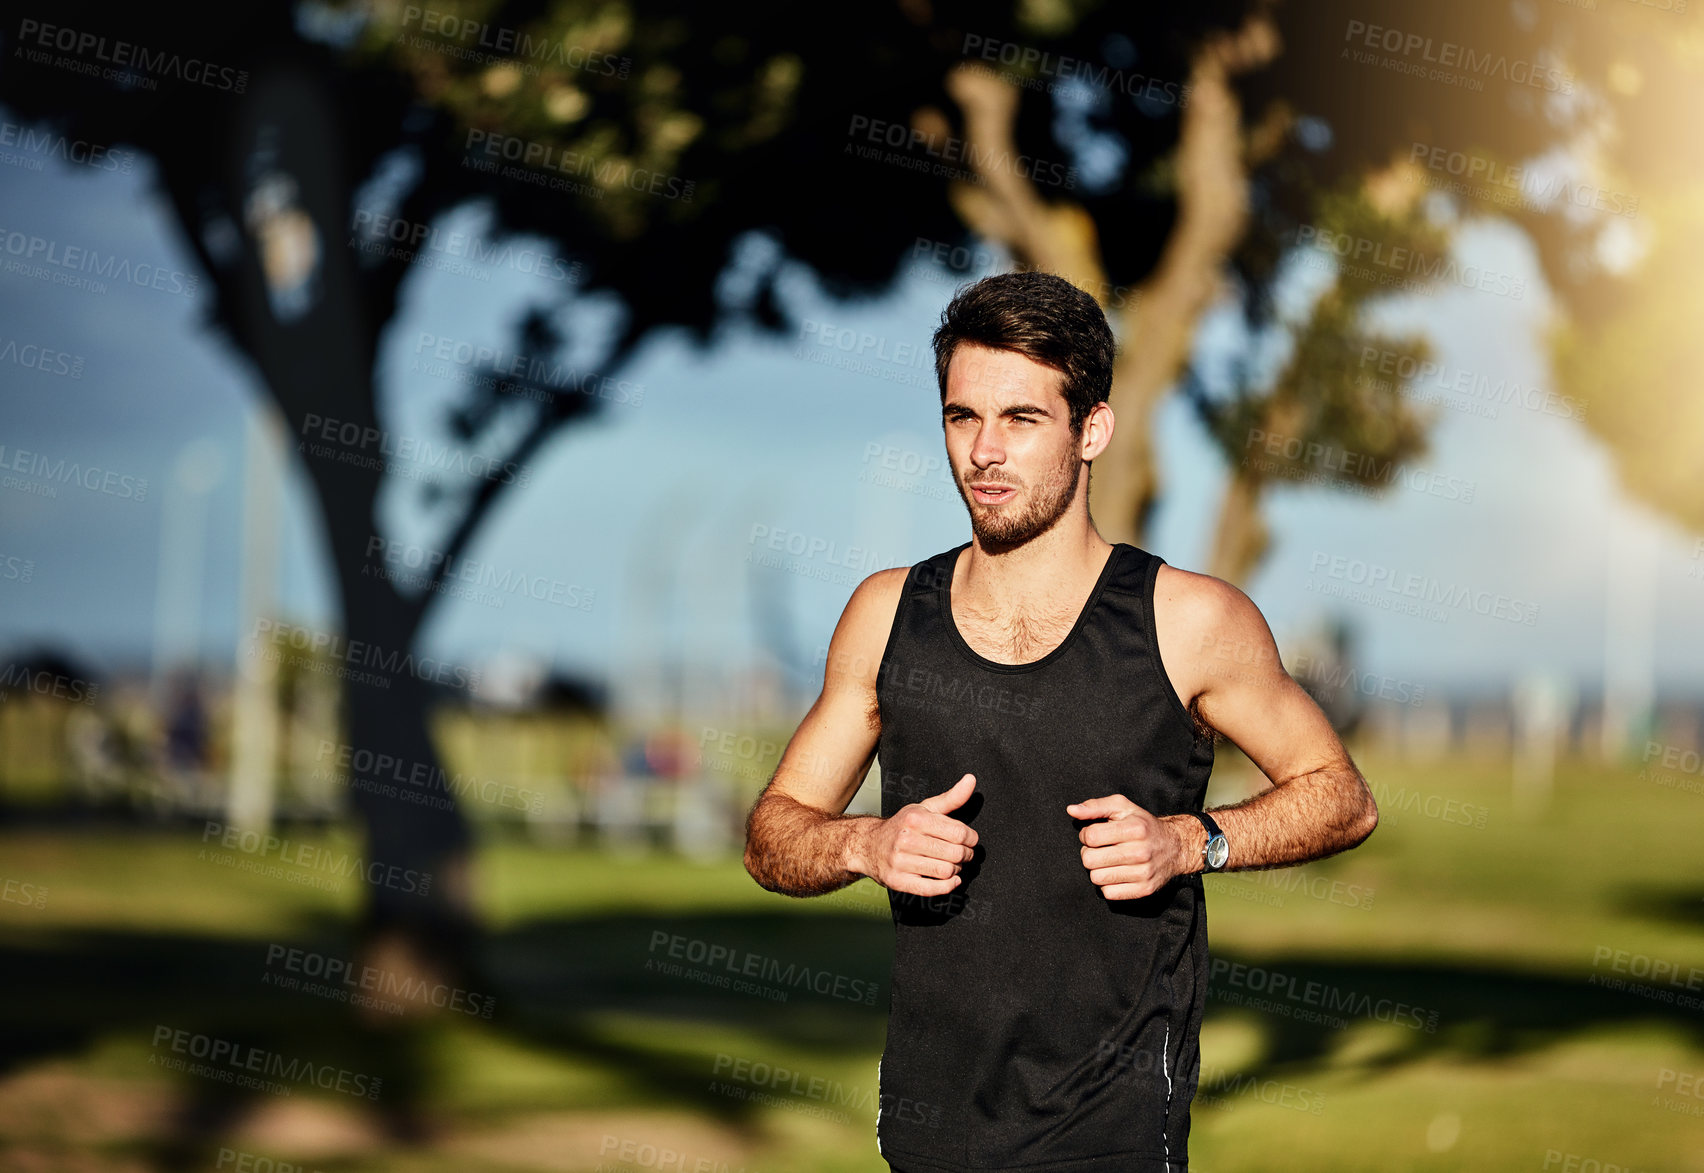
{"x": 654, "y": 1000}
{"x": 555, "y": 985}
{"x": 1675, "y": 906}
{"x": 1433, "y": 1010}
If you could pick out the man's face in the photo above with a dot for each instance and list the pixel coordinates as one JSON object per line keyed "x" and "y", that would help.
{"x": 1009, "y": 439}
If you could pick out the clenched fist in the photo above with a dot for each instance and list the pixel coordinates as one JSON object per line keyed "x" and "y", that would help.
{"x": 1130, "y": 853}
{"x": 920, "y": 849}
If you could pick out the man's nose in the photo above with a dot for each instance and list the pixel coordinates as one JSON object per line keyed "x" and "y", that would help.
{"x": 987, "y": 449}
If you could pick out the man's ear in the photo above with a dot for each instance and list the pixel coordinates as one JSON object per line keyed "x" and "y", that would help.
{"x": 1097, "y": 430}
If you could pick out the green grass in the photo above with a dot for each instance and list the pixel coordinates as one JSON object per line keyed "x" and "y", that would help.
{"x": 1488, "y": 927}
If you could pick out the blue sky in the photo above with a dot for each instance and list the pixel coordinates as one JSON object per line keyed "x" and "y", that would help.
{"x": 653, "y": 507}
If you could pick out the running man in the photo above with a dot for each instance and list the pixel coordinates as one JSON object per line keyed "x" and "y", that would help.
{"x": 1044, "y": 704}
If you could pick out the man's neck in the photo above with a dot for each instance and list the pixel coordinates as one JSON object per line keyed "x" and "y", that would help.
{"x": 1065, "y": 560}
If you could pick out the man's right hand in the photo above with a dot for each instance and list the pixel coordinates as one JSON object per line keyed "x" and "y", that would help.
{"x": 920, "y": 848}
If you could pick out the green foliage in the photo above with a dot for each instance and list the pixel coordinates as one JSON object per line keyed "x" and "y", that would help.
{"x": 1348, "y": 425}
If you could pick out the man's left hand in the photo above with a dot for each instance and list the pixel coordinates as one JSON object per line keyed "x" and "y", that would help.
{"x": 1131, "y": 853}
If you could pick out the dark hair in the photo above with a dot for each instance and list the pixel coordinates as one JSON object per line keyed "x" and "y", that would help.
{"x": 1042, "y": 317}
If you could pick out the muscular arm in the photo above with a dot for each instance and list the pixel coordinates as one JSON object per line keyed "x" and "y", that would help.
{"x": 1220, "y": 654}
{"x": 798, "y": 840}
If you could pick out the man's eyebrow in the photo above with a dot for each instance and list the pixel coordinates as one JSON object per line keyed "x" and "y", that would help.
{"x": 1015, "y": 409}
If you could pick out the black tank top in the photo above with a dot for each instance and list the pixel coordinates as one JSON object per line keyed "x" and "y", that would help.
{"x": 1035, "y": 1023}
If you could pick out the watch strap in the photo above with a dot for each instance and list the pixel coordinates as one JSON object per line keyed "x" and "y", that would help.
{"x": 1207, "y": 821}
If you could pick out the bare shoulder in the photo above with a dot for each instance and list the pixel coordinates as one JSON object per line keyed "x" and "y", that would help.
{"x": 1201, "y": 605}
{"x": 880, "y": 591}
{"x": 1210, "y": 633}
{"x": 862, "y": 634}
{"x": 875, "y": 602}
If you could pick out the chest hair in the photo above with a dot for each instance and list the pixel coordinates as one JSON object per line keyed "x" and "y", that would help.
{"x": 1018, "y": 637}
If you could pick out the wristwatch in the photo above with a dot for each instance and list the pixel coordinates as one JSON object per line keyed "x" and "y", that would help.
{"x": 1217, "y": 850}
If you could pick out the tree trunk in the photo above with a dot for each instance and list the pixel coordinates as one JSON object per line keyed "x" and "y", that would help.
{"x": 314, "y": 341}
{"x": 1240, "y": 537}
{"x": 1058, "y": 238}
{"x": 1159, "y": 322}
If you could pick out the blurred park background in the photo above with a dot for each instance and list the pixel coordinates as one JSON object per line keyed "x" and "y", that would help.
{"x": 437, "y": 440}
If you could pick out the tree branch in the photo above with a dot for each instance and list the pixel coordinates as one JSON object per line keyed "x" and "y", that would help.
{"x": 549, "y": 419}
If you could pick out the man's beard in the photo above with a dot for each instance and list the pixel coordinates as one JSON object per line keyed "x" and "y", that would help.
{"x": 998, "y": 527}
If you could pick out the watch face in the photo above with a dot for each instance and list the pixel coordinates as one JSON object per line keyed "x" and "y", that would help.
{"x": 1218, "y": 851}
